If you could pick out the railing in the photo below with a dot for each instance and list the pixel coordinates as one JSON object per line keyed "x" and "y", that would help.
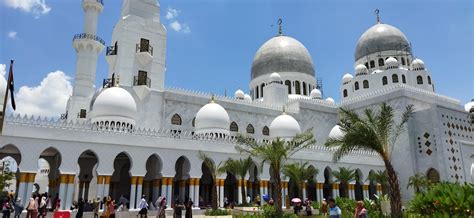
{"x": 138, "y": 81}
{"x": 111, "y": 50}
{"x": 88, "y": 36}
{"x": 144, "y": 48}
{"x": 98, "y": 1}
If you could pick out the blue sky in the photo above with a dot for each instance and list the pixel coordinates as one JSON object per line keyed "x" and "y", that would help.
{"x": 214, "y": 49}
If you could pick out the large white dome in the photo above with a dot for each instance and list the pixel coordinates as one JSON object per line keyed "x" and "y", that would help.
{"x": 285, "y": 127}
{"x": 114, "y": 104}
{"x": 212, "y": 119}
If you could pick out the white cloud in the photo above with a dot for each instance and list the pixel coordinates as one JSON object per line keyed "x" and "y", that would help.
{"x": 12, "y": 34}
{"x": 47, "y": 99}
{"x": 3, "y": 69}
{"x": 35, "y": 7}
{"x": 178, "y": 26}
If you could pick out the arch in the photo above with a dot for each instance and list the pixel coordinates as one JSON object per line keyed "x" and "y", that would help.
{"x": 120, "y": 180}
{"x": 327, "y": 186}
{"x": 265, "y": 131}
{"x": 261, "y": 89}
{"x": 297, "y": 88}
{"x": 230, "y": 189}
{"x": 404, "y": 79}
{"x": 181, "y": 179}
{"x": 365, "y": 84}
{"x": 394, "y": 78}
{"x": 193, "y": 123}
{"x": 257, "y": 92}
{"x": 250, "y": 129}
{"x": 253, "y": 187}
{"x": 429, "y": 80}
{"x": 433, "y": 175}
{"x": 304, "y": 89}
{"x": 372, "y": 64}
{"x": 288, "y": 85}
{"x": 11, "y": 150}
{"x": 151, "y": 187}
{"x": 49, "y": 162}
{"x": 311, "y": 192}
{"x": 403, "y": 61}
{"x": 359, "y": 186}
{"x": 344, "y": 93}
{"x": 381, "y": 62}
{"x": 372, "y": 185}
{"x": 419, "y": 80}
{"x": 234, "y": 127}
{"x": 384, "y": 80}
{"x": 176, "y": 120}
{"x": 205, "y": 187}
{"x": 356, "y": 85}
{"x": 88, "y": 162}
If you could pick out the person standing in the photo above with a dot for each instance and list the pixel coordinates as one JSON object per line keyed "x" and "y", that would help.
{"x": 6, "y": 207}
{"x": 18, "y": 207}
{"x": 162, "y": 207}
{"x": 32, "y": 208}
{"x": 178, "y": 209}
{"x": 334, "y": 210}
{"x": 112, "y": 208}
{"x": 189, "y": 209}
{"x": 143, "y": 207}
{"x": 96, "y": 205}
{"x": 80, "y": 208}
{"x": 324, "y": 207}
{"x": 309, "y": 208}
{"x": 360, "y": 211}
{"x": 42, "y": 207}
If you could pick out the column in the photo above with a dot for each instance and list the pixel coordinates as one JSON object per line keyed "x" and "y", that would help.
{"x": 156, "y": 189}
{"x": 100, "y": 187}
{"x": 240, "y": 186}
{"x": 22, "y": 186}
{"x": 221, "y": 192}
{"x": 164, "y": 188}
{"x": 335, "y": 189}
{"x": 284, "y": 195}
{"x": 63, "y": 180}
{"x": 262, "y": 188}
{"x": 351, "y": 191}
{"x": 304, "y": 187}
{"x": 29, "y": 184}
{"x": 169, "y": 191}
{"x": 319, "y": 191}
{"x": 106, "y": 186}
{"x": 70, "y": 191}
{"x": 191, "y": 189}
{"x": 379, "y": 189}
{"x": 133, "y": 192}
{"x": 196, "y": 192}
{"x": 366, "y": 191}
{"x": 139, "y": 190}
{"x": 265, "y": 188}
{"x": 182, "y": 190}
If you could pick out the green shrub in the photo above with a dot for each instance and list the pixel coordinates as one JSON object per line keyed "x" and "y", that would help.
{"x": 445, "y": 199}
{"x": 217, "y": 212}
{"x": 347, "y": 205}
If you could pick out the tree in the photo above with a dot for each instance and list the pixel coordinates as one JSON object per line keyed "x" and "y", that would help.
{"x": 376, "y": 131}
{"x": 239, "y": 168}
{"x": 275, "y": 153}
{"x": 344, "y": 176}
{"x": 381, "y": 178}
{"x": 215, "y": 170}
{"x": 419, "y": 183}
{"x": 6, "y": 175}
{"x": 299, "y": 173}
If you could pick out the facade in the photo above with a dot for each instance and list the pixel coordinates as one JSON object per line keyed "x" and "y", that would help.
{"x": 133, "y": 136}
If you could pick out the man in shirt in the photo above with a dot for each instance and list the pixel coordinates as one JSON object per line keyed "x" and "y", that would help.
{"x": 143, "y": 207}
{"x": 334, "y": 210}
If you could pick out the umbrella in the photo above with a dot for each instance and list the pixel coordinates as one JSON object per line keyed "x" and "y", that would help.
{"x": 266, "y": 197}
{"x": 296, "y": 200}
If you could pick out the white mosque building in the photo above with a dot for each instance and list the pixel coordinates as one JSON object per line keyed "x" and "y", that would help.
{"x": 134, "y": 136}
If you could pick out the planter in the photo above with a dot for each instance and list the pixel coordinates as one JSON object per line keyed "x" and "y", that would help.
{"x": 385, "y": 207}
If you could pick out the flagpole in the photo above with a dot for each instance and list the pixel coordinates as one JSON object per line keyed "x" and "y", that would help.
{"x": 5, "y": 100}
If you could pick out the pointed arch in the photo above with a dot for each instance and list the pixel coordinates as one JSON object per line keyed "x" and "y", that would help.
{"x": 234, "y": 127}
{"x": 250, "y": 129}
{"x": 265, "y": 131}
{"x": 176, "y": 120}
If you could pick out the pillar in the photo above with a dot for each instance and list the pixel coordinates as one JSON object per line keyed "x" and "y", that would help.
{"x": 182, "y": 190}
{"x": 100, "y": 187}
{"x": 106, "y": 186}
{"x": 133, "y": 192}
{"x": 379, "y": 189}
{"x": 22, "y": 186}
{"x": 169, "y": 191}
{"x": 319, "y": 191}
{"x": 63, "y": 180}
{"x": 221, "y": 192}
{"x": 262, "y": 188}
{"x": 335, "y": 189}
{"x": 366, "y": 191}
{"x": 304, "y": 187}
{"x": 70, "y": 191}
{"x": 196, "y": 192}
{"x": 284, "y": 194}
{"x": 164, "y": 188}
{"x": 351, "y": 189}
{"x": 240, "y": 186}
{"x": 156, "y": 189}
{"x": 266, "y": 183}
{"x": 191, "y": 189}
{"x": 139, "y": 190}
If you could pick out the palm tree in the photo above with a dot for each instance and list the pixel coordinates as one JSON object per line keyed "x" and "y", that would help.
{"x": 299, "y": 173}
{"x": 381, "y": 178}
{"x": 275, "y": 153}
{"x": 215, "y": 171}
{"x": 344, "y": 176}
{"x": 239, "y": 168}
{"x": 377, "y": 132}
{"x": 418, "y": 182}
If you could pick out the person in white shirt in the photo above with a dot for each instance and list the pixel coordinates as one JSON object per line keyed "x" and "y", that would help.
{"x": 143, "y": 207}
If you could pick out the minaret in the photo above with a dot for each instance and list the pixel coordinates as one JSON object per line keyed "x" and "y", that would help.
{"x": 88, "y": 46}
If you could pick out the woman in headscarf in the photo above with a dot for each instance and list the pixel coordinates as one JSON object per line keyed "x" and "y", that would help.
{"x": 42, "y": 207}
{"x": 162, "y": 213}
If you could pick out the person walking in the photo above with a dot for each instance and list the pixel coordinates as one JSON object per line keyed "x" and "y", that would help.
{"x": 80, "y": 208}
{"x": 143, "y": 207}
{"x": 18, "y": 208}
{"x": 334, "y": 210}
{"x": 189, "y": 209}
{"x": 360, "y": 211}
{"x": 6, "y": 207}
{"x": 32, "y": 208}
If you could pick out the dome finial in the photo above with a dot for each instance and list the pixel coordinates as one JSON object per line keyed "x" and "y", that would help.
{"x": 377, "y": 11}
{"x": 280, "y": 31}
{"x": 284, "y": 110}
{"x": 213, "y": 98}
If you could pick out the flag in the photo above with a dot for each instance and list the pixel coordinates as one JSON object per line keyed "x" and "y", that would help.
{"x": 10, "y": 85}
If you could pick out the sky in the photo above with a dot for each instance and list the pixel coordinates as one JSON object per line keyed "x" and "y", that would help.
{"x": 211, "y": 43}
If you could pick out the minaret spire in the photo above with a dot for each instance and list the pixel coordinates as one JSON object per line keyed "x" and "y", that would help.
{"x": 377, "y": 11}
{"x": 280, "y": 31}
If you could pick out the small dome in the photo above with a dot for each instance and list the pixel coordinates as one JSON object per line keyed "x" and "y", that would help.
{"x": 239, "y": 94}
{"x": 315, "y": 94}
{"x": 114, "y": 104}
{"x": 282, "y": 54}
{"x": 336, "y": 132}
{"x": 381, "y": 37}
{"x": 347, "y": 78}
{"x": 469, "y": 106}
{"x": 361, "y": 70}
{"x": 213, "y": 119}
{"x": 391, "y": 63}
{"x": 275, "y": 77}
{"x": 330, "y": 100}
{"x": 417, "y": 64}
{"x": 247, "y": 97}
{"x": 285, "y": 127}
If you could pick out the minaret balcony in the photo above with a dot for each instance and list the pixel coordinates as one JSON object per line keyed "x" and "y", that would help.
{"x": 144, "y": 53}
{"x": 82, "y": 40}
{"x": 99, "y": 4}
{"x": 111, "y": 54}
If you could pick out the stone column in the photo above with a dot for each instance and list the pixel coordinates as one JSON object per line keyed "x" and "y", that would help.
{"x": 106, "y": 186}
{"x": 304, "y": 187}
{"x": 351, "y": 191}
{"x": 266, "y": 183}
{"x": 191, "y": 189}
{"x": 164, "y": 188}
{"x": 284, "y": 195}
{"x": 139, "y": 191}
{"x": 63, "y": 180}
{"x": 169, "y": 191}
{"x": 100, "y": 187}
{"x": 70, "y": 190}
{"x": 319, "y": 191}
{"x": 22, "y": 186}
{"x": 240, "y": 186}
{"x": 335, "y": 189}
{"x": 133, "y": 192}
{"x": 366, "y": 191}
{"x": 196, "y": 192}
{"x": 29, "y": 184}
{"x": 221, "y": 192}
{"x": 262, "y": 188}
{"x": 379, "y": 190}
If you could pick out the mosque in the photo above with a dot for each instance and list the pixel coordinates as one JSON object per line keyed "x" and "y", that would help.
{"x": 134, "y": 136}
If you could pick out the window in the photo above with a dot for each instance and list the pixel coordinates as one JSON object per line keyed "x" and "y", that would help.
{"x": 395, "y": 78}
{"x": 344, "y": 93}
{"x": 372, "y": 64}
{"x": 404, "y": 80}
{"x": 381, "y": 62}
{"x": 288, "y": 84}
{"x": 176, "y": 119}
{"x": 408, "y": 61}
{"x": 384, "y": 80}
{"x": 261, "y": 89}
{"x": 265, "y": 131}
{"x": 403, "y": 61}
{"x": 297, "y": 88}
{"x": 142, "y": 78}
{"x": 365, "y": 84}
{"x": 419, "y": 80}
{"x": 82, "y": 114}
{"x": 234, "y": 127}
{"x": 304, "y": 89}
{"x": 193, "y": 123}
{"x": 429, "y": 80}
{"x": 250, "y": 129}
{"x": 256, "y": 93}
{"x": 356, "y": 85}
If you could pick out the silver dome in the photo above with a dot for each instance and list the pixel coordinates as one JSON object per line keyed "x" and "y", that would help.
{"x": 381, "y": 37}
{"x": 282, "y": 54}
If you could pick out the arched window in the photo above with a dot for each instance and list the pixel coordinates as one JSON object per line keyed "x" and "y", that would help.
{"x": 256, "y": 92}
{"x": 234, "y": 127}
{"x": 297, "y": 88}
{"x": 403, "y": 61}
{"x": 372, "y": 64}
{"x": 404, "y": 80}
{"x": 365, "y": 84}
{"x": 384, "y": 80}
{"x": 193, "y": 122}
{"x": 381, "y": 62}
{"x": 288, "y": 84}
{"x": 394, "y": 78}
{"x": 265, "y": 131}
{"x": 250, "y": 129}
{"x": 176, "y": 119}
{"x": 419, "y": 80}
{"x": 356, "y": 85}
{"x": 304, "y": 89}
{"x": 261, "y": 89}
{"x": 433, "y": 175}
{"x": 429, "y": 80}
{"x": 344, "y": 93}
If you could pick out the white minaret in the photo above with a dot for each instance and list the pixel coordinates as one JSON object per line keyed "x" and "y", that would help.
{"x": 88, "y": 46}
